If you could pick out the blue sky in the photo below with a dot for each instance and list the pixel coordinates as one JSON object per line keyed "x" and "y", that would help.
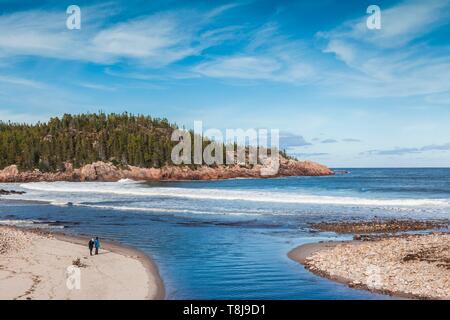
{"x": 341, "y": 94}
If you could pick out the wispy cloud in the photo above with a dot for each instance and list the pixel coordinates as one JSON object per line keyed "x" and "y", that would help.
{"x": 21, "y": 82}
{"x": 255, "y": 68}
{"x": 154, "y": 40}
{"x": 351, "y": 140}
{"x": 403, "y": 151}
{"x": 268, "y": 56}
{"x": 329, "y": 141}
{"x": 401, "y": 24}
{"x": 96, "y": 86}
{"x": 396, "y": 60}
{"x": 43, "y": 33}
{"x": 310, "y": 154}
{"x": 289, "y": 140}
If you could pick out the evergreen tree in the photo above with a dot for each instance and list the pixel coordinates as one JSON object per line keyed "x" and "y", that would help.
{"x": 86, "y": 138}
{"x": 123, "y": 139}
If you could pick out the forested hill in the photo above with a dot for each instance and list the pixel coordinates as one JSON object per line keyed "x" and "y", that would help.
{"x": 122, "y": 139}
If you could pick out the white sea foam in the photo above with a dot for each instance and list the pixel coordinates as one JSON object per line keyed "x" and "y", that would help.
{"x": 136, "y": 189}
{"x": 147, "y": 209}
{"x": 126, "y": 181}
{"x": 16, "y": 222}
{"x": 59, "y": 203}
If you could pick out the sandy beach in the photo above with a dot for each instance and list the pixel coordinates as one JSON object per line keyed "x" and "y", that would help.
{"x": 408, "y": 266}
{"x": 33, "y": 265}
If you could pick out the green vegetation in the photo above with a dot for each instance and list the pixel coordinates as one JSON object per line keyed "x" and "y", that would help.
{"x": 123, "y": 139}
{"x": 81, "y": 139}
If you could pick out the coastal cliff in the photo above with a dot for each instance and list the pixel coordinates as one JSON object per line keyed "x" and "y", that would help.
{"x": 106, "y": 171}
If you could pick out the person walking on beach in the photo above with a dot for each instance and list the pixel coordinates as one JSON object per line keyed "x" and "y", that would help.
{"x": 96, "y": 244}
{"x": 91, "y": 246}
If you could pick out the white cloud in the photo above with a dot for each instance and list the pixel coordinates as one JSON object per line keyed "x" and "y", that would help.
{"x": 398, "y": 151}
{"x": 21, "y": 82}
{"x": 289, "y": 140}
{"x": 342, "y": 50}
{"x": 269, "y": 56}
{"x": 244, "y": 67}
{"x": 96, "y": 86}
{"x": 400, "y": 24}
{"x": 393, "y": 61}
{"x": 43, "y": 33}
{"x": 256, "y": 68}
{"x": 221, "y": 9}
{"x": 153, "y": 40}
{"x": 157, "y": 40}
{"x": 408, "y": 21}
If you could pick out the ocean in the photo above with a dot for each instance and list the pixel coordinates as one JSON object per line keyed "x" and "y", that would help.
{"x": 229, "y": 239}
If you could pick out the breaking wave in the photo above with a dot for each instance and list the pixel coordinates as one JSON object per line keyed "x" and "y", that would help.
{"x": 139, "y": 190}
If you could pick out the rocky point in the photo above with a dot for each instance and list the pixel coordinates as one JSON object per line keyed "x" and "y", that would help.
{"x": 106, "y": 171}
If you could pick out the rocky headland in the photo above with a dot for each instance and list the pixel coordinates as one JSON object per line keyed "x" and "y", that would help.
{"x": 107, "y": 171}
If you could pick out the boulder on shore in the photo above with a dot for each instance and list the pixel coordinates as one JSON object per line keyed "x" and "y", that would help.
{"x": 106, "y": 171}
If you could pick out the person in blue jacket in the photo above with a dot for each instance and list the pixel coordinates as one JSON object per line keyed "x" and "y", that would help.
{"x": 96, "y": 244}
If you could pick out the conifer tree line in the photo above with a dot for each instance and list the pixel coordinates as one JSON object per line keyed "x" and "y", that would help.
{"x": 123, "y": 139}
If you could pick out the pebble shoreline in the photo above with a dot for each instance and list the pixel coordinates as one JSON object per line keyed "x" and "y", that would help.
{"x": 412, "y": 266}
{"x": 380, "y": 226}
